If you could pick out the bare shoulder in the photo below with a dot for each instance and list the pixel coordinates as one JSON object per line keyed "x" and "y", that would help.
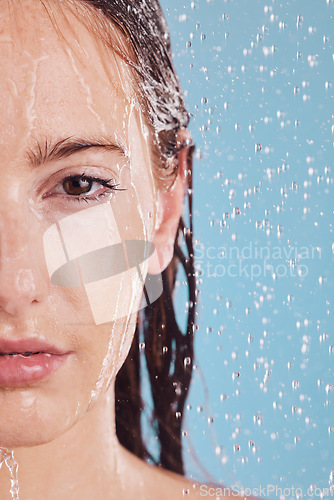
{"x": 154, "y": 482}
{"x": 182, "y": 487}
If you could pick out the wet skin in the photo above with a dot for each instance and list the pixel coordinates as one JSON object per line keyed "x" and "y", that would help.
{"x": 48, "y": 93}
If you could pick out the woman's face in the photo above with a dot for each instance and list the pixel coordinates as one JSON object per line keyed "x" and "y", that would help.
{"x": 69, "y": 134}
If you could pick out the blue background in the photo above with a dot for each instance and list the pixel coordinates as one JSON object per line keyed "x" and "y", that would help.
{"x": 258, "y": 78}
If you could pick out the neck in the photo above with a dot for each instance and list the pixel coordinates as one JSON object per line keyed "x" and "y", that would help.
{"x": 84, "y": 459}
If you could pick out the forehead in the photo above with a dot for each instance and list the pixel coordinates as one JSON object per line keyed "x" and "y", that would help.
{"x": 56, "y": 76}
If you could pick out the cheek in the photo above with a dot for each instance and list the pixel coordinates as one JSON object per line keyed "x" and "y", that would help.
{"x": 103, "y": 350}
{"x": 120, "y": 295}
{"x": 107, "y": 349}
{"x": 97, "y": 260}
{"x": 106, "y": 247}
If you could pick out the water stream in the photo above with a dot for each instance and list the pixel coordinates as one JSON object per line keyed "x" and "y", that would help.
{"x": 7, "y": 458}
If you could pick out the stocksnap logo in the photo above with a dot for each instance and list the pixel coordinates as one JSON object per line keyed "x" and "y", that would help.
{"x": 86, "y": 250}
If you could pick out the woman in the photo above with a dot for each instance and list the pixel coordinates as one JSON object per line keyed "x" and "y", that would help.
{"x": 95, "y": 162}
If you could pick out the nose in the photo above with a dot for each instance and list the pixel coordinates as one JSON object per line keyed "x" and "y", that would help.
{"x": 24, "y": 281}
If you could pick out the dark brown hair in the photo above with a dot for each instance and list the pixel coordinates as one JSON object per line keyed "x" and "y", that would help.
{"x": 168, "y": 352}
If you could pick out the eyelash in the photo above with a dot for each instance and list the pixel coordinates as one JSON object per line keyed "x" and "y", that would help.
{"x": 88, "y": 199}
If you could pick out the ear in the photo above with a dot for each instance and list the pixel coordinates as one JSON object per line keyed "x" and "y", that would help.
{"x": 170, "y": 207}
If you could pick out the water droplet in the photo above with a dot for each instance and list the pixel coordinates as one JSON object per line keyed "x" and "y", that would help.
{"x": 295, "y": 384}
{"x": 329, "y": 388}
{"x": 257, "y": 419}
{"x": 267, "y": 376}
{"x": 296, "y": 410}
{"x": 235, "y": 375}
{"x": 299, "y": 22}
{"x": 218, "y": 450}
{"x": 141, "y": 346}
{"x": 236, "y": 448}
{"x": 7, "y": 457}
{"x": 323, "y": 337}
{"x": 185, "y": 491}
{"x": 178, "y": 414}
{"x": 187, "y": 361}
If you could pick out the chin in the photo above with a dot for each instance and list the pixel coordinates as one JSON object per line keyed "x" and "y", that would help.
{"x": 28, "y": 419}
{"x": 12, "y": 439}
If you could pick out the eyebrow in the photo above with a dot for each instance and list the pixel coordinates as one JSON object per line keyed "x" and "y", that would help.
{"x": 63, "y": 148}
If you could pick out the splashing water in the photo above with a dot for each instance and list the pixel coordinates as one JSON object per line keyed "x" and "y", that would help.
{"x": 7, "y": 457}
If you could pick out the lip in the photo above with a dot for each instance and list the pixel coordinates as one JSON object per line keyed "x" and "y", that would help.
{"x": 28, "y": 345}
{"x": 26, "y": 361}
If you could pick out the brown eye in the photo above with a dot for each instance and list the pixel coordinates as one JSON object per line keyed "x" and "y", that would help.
{"x": 77, "y": 185}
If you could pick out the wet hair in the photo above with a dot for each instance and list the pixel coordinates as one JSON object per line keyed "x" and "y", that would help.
{"x": 168, "y": 351}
